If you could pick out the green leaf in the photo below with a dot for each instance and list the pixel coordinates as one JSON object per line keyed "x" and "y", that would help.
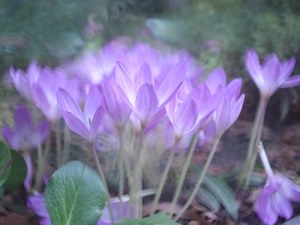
{"x": 157, "y": 219}
{"x": 75, "y": 195}
{"x": 17, "y": 173}
{"x": 5, "y": 161}
{"x": 226, "y": 196}
{"x": 208, "y": 199}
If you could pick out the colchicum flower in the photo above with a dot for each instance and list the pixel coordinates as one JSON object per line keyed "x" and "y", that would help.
{"x": 25, "y": 137}
{"x": 272, "y": 74}
{"x": 275, "y": 199}
{"x": 85, "y": 123}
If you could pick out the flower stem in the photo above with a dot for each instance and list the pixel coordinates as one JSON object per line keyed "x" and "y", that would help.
{"x": 137, "y": 173}
{"x": 264, "y": 160}
{"x": 67, "y": 141}
{"x": 200, "y": 180}
{"x": 58, "y": 143}
{"x": 100, "y": 171}
{"x": 40, "y": 169}
{"x": 165, "y": 174}
{"x": 121, "y": 172}
{"x": 184, "y": 172}
{"x": 253, "y": 143}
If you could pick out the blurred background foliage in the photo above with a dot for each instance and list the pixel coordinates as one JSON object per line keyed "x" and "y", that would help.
{"x": 216, "y": 32}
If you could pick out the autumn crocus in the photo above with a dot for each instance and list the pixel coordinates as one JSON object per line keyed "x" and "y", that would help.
{"x": 24, "y": 137}
{"x": 268, "y": 77}
{"x": 275, "y": 199}
{"x": 224, "y": 116}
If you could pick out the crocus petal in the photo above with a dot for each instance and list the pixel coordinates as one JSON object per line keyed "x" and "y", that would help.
{"x": 233, "y": 89}
{"x": 287, "y": 67}
{"x": 146, "y": 101}
{"x": 92, "y": 102}
{"x": 96, "y": 122}
{"x": 28, "y": 179}
{"x": 291, "y": 82}
{"x": 281, "y": 205}
{"x": 37, "y": 204}
{"x": 12, "y": 138}
{"x": 215, "y": 78}
{"x": 144, "y": 76}
{"x": 76, "y": 125}
{"x": 23, "y": 121}
{"x": 40, "y": 134}
{"x": 155, "y": 119}
{"x": 67, "y": 104}
{"x": 185, "y": 117}
{"x": 253, "y": 67}
{"x": 264, "y": 208}
{"x": 171, "y": 82}
{"x": 124, "y": 81}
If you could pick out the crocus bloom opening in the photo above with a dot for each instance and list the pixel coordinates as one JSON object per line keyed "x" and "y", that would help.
{"x": 25, "y": 137}
{"x": 272, "y": 74}
{"x": 84, "y": 123}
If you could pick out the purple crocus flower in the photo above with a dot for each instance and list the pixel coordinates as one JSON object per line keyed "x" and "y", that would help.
{"x": 25, "y": 137}
{"x": 84, "y": 123}
{"x": 272, "y": 74}
{"x": 146, "y": 97}
{"x": 24, "y": 81}
{"x": 275, "y": 199}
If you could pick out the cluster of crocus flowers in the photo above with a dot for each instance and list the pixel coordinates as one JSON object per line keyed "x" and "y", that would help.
{"x": 275, "y": 198}
{"x": 268, "y": 77}
{"x": 137, "y": 86}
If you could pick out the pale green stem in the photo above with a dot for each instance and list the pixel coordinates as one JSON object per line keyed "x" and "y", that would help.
{"x": 100, "y": 171}
{"x": 258, "y": 127}
{"x": 165, "y": 174}
{"x": 184, "y": 172}
{"x": 137, "y": 173}
{"x": 58, "y": 143}
{"x": 67, "y": 141}
{"x": 47, "y": 147}
{"x": 40, "y": 169}
{"x": 264, "y": 160}
{"x": 121, "y": 172}
{"x": 200, "y": 180}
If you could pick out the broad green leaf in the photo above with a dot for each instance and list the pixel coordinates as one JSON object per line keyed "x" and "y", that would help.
{"x": 75, "y": 195}
{"x": 157, "y": 219}
{"x": 5, "y": 161}
{"x": 208, "y": 199}
{"x": 17, "y": 174}
{"x": 226, "y": 196}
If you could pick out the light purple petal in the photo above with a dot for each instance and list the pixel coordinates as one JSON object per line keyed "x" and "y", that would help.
{"x": 12, "y": 138}
{"x": 37, "y": 204}
{"x": 76, "y": 125}
{"x": 155, "y": 119}
{"x": 264, "y": 208}
{"x": 144, "y": 76}
{"x": 216, "y": 78}
{"x": 146, "y": 101}
{"x": 233, "y": 89}
{"x": 287, "y": 67}
{"x": 185, "y": 117}
{"x": 281, "y": 205}
{"x": 28, "y": 179}
{"x": 92, "y": 102}
{"x": 67, "y": 104}
{"x": 23, "y": 120}
{"x": 96, "y": 122}
{"x": 291, "y": 82}
{"x": 43, "y": 130}
{"x": 254, "y": 68}
{"x": 171, "y": 82}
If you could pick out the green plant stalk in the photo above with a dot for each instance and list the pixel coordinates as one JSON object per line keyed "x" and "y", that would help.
{"x": 137, "y": 173}
{"x": 184, "y": 172}
{"x": 67, "y": 141}
{"x": 100, "y": 171}
{"x": 121, "y": 172}
{"x": 40, "y": 169}
{"x": 58, "y": 143}
{"x": 200, "y": 180}
{"x": 165, "y": 174}
{"x": 254, "y": 140}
